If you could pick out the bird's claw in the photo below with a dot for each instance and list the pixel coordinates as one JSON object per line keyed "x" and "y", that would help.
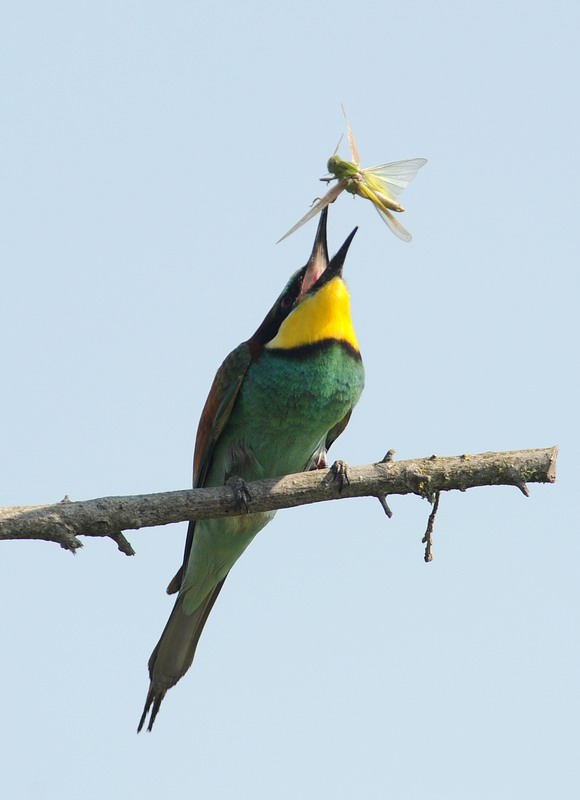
{"x": 339, "y": 472}
{"x": 241, "y": 491}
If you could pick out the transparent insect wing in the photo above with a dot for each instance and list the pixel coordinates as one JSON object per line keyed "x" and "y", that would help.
{"x": 393, "y": 224}
{"x": 351, "y": 139}
{"x": 328, "y": 198}
{"x": 393, "y": 178}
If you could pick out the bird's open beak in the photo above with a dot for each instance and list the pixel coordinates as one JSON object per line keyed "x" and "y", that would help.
{"x": 318, "y": 263}
{"x": 337, "y": 261}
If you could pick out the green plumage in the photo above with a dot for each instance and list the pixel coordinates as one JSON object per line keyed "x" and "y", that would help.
{"x": 283, "y": 413}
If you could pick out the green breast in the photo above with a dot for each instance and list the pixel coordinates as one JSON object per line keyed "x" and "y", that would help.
{"x": 291, "y": 398}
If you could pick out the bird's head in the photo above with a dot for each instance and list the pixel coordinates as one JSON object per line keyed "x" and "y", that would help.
{"x": 315, "y": 303}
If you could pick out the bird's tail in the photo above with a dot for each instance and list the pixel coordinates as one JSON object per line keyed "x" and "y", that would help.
{"x": 174, "y": 652}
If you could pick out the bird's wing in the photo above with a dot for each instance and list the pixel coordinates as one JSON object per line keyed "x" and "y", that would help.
{"x": 218, "y": 407}
{"x": 318, "y": 459}
{"x": 335, "y": 432}
{"x": 214, "y": 417}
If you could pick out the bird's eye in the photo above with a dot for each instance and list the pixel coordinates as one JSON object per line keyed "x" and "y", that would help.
{"x": 286, "y": 302}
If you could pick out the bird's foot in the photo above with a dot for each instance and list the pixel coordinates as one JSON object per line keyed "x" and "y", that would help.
{"x": 339, "y": 472}
{"x": 241, "y": 491}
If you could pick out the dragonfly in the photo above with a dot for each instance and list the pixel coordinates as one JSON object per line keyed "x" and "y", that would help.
{"x": 381, "y": 185}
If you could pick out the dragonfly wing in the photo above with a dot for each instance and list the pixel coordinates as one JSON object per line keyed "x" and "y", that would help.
{"x": 328, "y": 198}
{"x": 392, "y": 178}
{"x": 351, "y": 139}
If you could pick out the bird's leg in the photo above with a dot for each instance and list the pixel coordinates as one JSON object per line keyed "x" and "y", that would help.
{"x": 319, "y": 460}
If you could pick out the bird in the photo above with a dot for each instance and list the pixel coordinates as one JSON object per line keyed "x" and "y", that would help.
{"x": 276, "y": 405}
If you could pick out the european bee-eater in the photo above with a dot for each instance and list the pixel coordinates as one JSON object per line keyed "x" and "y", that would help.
{"x": 276, "y": 405}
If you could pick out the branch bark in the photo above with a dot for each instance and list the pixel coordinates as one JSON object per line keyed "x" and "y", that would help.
{"x": 64, "y": 522}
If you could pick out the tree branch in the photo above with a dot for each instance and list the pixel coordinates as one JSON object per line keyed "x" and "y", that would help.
{"x": 64, "y": 522}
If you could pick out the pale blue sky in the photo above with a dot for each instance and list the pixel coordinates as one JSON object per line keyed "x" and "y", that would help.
{"x": 152, "y": 154}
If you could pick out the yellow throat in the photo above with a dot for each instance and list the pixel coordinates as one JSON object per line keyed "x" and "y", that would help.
{"x": 321, "y": 316}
